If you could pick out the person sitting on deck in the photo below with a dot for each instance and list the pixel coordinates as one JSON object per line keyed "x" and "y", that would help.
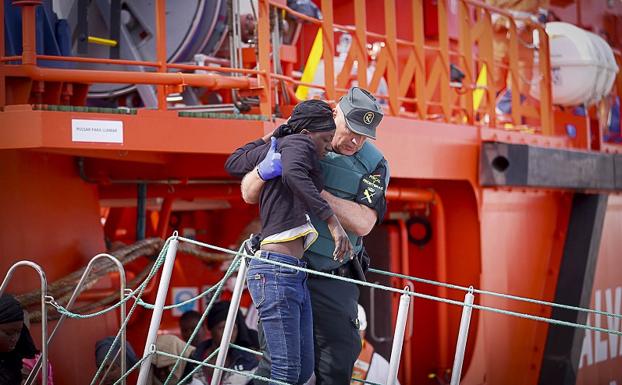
{"x": 112, "y": 371}
{"x": 239, "y": 360}
{"x": 161, "y": 365}
{"x": 187, "y": 323}
{"x": 280, "y": 293}
{"x": 15, "y": 341}
{"x": 369, "y": 366}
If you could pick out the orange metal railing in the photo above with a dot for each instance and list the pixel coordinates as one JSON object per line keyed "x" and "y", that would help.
{"x": 474, "y": 51}
{"x": 418, "y": 86}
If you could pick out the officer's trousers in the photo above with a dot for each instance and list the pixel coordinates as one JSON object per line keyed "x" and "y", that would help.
{"x": 335, "y": 331}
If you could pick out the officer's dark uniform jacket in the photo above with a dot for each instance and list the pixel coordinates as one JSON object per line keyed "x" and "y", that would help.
{"x": 361, "y": 178}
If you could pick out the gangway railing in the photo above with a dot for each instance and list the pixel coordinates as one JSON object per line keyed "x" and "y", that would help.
{"x": 44, "y": 313}
{"x": 238, "y": 263}
{"x": 156, "y": 317}
{"x": 74, "y": 296}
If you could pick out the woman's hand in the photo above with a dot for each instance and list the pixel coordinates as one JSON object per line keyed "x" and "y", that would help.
{"x": 343, "y": 247}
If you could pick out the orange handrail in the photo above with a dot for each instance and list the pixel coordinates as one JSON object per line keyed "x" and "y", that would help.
{"x": 418, "y": 88}
{"x": 134, "y": 77}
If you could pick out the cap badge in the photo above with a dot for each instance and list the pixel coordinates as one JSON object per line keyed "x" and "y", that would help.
{"x": 368, "y": 117}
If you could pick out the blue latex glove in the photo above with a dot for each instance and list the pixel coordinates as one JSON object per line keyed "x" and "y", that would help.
{"x": 270, "y": 166}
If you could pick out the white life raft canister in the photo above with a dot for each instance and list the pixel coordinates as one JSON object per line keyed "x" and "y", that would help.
{"x": 583, "y": 67}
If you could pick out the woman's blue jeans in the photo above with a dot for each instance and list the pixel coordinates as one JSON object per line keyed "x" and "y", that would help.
{"x": 284, "y": 305}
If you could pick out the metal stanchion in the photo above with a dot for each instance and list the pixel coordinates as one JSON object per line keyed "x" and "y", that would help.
{"x": 231, "y": 315}
{"x": 156, "y": 317}
{"x": 44, "y": 313}
{"x": 72, "y": 299}
{"x": 462, "y": 337}
{"x": 398, "y": 338}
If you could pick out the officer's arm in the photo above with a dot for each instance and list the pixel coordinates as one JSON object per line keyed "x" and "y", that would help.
{"x": 251, "y": 187}
{"x": 368, "y": 208}
{"x": 354, "y": 217}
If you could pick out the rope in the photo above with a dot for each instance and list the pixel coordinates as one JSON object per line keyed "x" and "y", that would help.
{"x": 251, "y": 375}
{"x": 247, "y": 350}
{"x": 65, "y": 284}
{"x": 205, "y": 364}
{"x": 62, "y": 310}
{"x": 156, "y": 266}
{"x": 36, "y": 316}
{"x": 61, "y": 289}
{"x": 408, "y": 292}
{"x": 151, "y": 306}
{"x": 492, "y": 293}
{"x": 136, "y": 365}
{"x": 365, "y": 381}
{"x": 233, "y": 267}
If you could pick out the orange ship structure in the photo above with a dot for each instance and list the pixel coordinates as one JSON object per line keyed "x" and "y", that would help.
{"x": 117, "y": 117}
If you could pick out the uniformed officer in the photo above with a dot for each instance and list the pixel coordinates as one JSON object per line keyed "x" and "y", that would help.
{"x": 356, "y": 176}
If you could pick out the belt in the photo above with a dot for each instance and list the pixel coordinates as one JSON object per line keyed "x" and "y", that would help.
{"x": 344, "y": 270}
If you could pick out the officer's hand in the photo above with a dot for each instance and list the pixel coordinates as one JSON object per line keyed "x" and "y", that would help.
{"x": 270, "y": 167}
{"x": 343, "y": 247}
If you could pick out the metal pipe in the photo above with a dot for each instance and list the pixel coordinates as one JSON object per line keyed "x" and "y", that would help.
{"x": 156, "y": 317}
{"x": 263, "y": 57}
{"x": 209, "y": 81}
{"x": 398, "y": 338}
{"x": 372, "y": 316}
{"x": 79, "y": 59}
{"x": 141, "y": 211}
{"x": 165, "y": 216}
{"x": 44, "y": 313}
{"x": 29, "y": 40}
{"x": 441, "y": 275}
{"x": 395, "y": 264}
{"x": 224, "y": 107}
{"x": 234, "y": 70}
{"x": 77, "y": 291}
{"x": 236, "y": 35}
{"x": 276, "y": 46}
{"x": 231, "y": 315}
{"x": 412, "y": 194}
{"x": 405, "y": 269}
{"x": 329, "y": 49}
{"x": 462, "y": 337}
{"x": 160, "y": 20}
{"x": 141, "y": 63}
{"x": 491, "y": 8}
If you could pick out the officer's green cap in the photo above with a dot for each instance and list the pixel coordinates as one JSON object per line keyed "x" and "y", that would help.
{"x": 362, "y": 112}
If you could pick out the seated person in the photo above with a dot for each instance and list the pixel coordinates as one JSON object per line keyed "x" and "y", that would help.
{"x": 15, "y": 341}
{"x": 370, "y": 366}
{"x": 187, "y": 323}
{"x": 113, "y": 369}
{"x": 29, "y": 363}
{"x": 238, "y": 359}
{"x": 162, "y": 365}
